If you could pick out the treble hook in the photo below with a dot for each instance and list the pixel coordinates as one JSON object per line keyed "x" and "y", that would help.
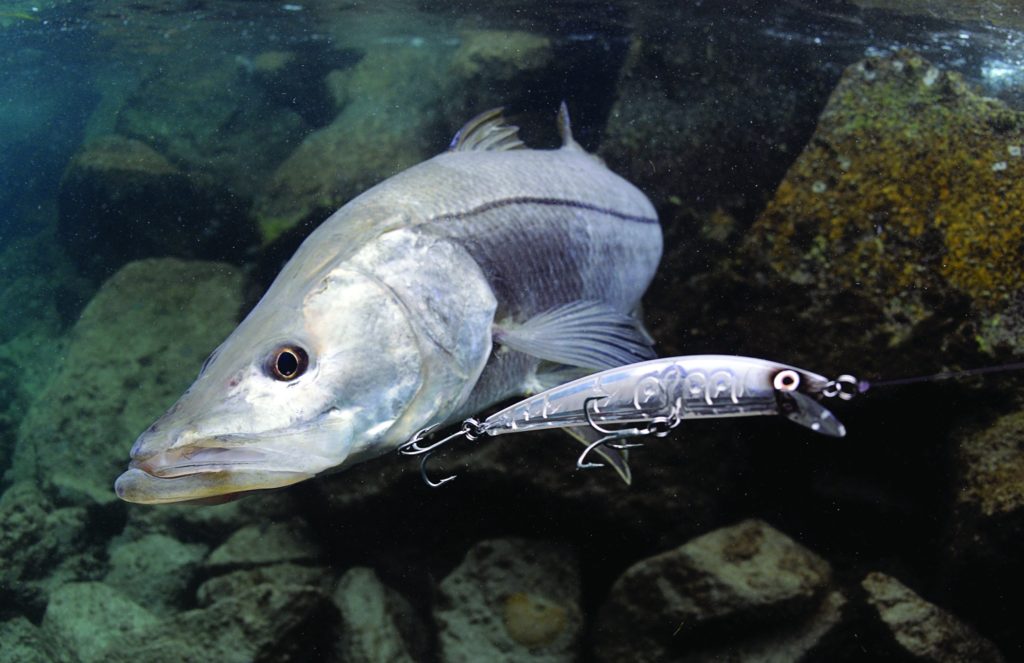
{"x": 471, "y": 430}
{"x": 609, "y": 435}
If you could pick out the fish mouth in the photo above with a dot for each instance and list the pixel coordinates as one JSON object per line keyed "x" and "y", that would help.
{"x": 195, "y": 460}
{"x": 177, "y": 465}
{"x": 199, "y": 473}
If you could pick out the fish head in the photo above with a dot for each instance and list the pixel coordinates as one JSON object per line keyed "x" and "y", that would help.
{"x": 304, "y": 384}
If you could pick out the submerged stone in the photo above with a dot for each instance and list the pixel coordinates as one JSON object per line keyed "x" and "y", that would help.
{"x": 83, "y": 619}
{"x": 266, "y": 543}
{"x": 511, "y": 600}
{"x": 905, "y": 206}
{"x": 987, "y": 531}
{"x": 388, "y": 105}
{"x": 156, "y": 571}
{"x": 378, "y": 624}
{"x": 120, "y": 200}
{"x": 135, "y": 348}
{"x": 923, "y": 631}
{"x": 694, "y": 600}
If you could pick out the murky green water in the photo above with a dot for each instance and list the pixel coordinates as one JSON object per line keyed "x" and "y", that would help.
{"x": 839, "y": 188}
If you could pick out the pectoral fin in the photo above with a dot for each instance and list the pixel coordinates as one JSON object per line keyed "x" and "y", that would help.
{"x": 617, "y": 459}
{"x": 584, "y": 333}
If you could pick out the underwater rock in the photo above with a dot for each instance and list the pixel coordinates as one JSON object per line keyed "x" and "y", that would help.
{"x": 23, "y": 642}
{"x": 264, "y": 621}
{"x": 120, "y": 201}
{"x": 43, "y": 295}
{"x": 286, "y": 574}
{"x": 510, "y": 600}
{"x": 385, "y": 125}
{"x": 135, "y": 348}
{"x": 747, "y": 578}
{"x": 41, "y": 547}
{"x": 705, "y": 121}
{"x": 987, "y": 531}
{"x": 923, "y": 631}
{"x": 506, "y": 481}
{"x": 156, "y": 571}
{"x": 906, "y": 209}
{"x": 492, "y": 55}
{"x": 213, "y": 116}
{"x": 266, "y": 543}
{"x": 378, "y": 624}
{"x": 84, "y": 618}
{"x": 498, "y": 68}
{"x": 992, "y": 462}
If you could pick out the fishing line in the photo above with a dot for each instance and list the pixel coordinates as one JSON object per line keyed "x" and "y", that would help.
{"x": 864, "y": 385}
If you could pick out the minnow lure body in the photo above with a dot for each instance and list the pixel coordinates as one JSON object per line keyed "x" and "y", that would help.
{"x": 653, "y": 397}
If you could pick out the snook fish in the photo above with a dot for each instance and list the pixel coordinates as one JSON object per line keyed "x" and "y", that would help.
{"x": 487, "y": 272}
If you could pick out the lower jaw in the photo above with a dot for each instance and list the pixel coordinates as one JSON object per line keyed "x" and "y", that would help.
{"x": 140, "y": 487}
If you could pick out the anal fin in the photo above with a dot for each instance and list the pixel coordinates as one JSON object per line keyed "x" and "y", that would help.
{"x": 619, "y": 460}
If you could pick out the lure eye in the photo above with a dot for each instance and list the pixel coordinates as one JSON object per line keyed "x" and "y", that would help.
{"x": 787, "y": 380}
{"x": 288, "y": 362}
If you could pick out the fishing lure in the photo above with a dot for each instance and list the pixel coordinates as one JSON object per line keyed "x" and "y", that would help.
{"x": 654, "y": 397}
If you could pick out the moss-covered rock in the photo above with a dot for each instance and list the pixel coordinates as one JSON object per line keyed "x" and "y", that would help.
{"x": 212, "y": 116}
{"x": 156, "y": 571}
{"x": 42, "y": 547}
{"x": 84, "y": 618}
{"x": 136, "y": 347}
{"x": 908, "y": 200}
{"x": 120, "y": 200}
{"x": 388, "y": 115}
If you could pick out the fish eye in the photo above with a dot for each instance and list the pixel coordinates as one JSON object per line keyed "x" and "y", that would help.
{"x": 787, "y": 380}
{"x": 288, "y": 362}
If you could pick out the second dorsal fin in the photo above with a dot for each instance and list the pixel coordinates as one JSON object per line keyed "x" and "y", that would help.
{"x": 486, "y": 131}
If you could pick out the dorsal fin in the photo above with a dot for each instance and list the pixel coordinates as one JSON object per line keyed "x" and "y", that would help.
{"x": 565, "y": 128}
{"x": 486, "y": 131}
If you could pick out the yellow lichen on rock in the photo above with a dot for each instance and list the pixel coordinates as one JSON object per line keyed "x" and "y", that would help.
{"x": 908, "y": 188}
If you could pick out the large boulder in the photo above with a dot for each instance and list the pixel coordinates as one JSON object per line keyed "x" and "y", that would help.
{"x": 83, "y": 619}
{"x": 136, "y": 347}
{"x": 905, "y": 209}
{"x": 266, "y": 543}
{"x": 23, "y": 642}
{"x": 213, "y": 116}
{"x": 41, "y": 547}
{"x": 40, "y": 285}
{"x": 156, "y": 571}
{"x": 387, "y": 118}
{"x": 987, "y": 531}
{"x": 922, "y": 631}
{"x": 378, "y": 623}
{"x": 691, "y": 602}
{"x": 511, "y": 600}
{"x": 120, "y": 200}
{"x": 262, "y": 619}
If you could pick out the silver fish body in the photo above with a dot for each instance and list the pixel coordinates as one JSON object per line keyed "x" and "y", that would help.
{"x": 403, "y": 310}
